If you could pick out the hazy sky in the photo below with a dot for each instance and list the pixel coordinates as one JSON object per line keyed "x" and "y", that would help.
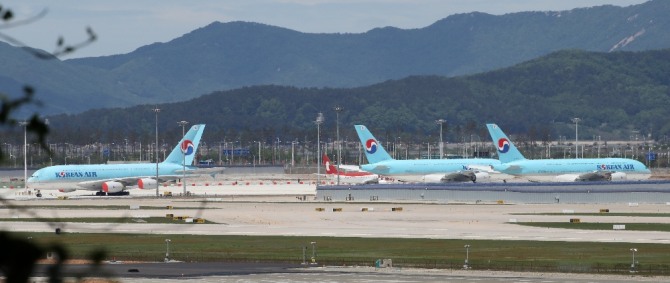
{"x": 125, "y": 25}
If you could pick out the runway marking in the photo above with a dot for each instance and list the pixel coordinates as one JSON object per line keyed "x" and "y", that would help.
{"x": 507, "y": 237}
{"x": 433, "y": 235}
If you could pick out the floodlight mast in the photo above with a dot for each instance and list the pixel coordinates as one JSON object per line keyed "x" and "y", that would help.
{"x": 338, "y": 109}
{"x": 156, "y": 110}
{"x": 576, "y": 121}
{"x": 25, "y": 151}
{"x": 441, "y": 122}
{"x": 319, "y": 120}
{"x": 183, "y": 151}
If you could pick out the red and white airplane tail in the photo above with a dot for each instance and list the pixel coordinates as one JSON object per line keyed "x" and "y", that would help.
{"x": 349, "y": 177}
{"x": 330, "y": 168}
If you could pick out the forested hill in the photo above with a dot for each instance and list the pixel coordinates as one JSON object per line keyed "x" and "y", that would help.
{"x": 613, "y": 94}
{"x": 223, "y": 56}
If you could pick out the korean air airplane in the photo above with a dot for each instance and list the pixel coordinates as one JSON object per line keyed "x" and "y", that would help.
{"x": 563, "y": 170}
{"x": 113, "y": 179}
{"x": 422, "y": 170}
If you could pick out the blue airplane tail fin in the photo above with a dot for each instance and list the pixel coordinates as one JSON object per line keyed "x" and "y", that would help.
{"x": 507, "y": 152}
{"x": 187, "y": 147}
{"x": 374, "y": 151}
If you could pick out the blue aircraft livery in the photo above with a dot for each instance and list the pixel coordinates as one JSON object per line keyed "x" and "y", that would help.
{"x": 421, "y": 170}
{"x": 621, "y": 167}
{"x": 64, "y": 174}
{"x": 563, "y": 170}
{"x": 371, "y": 146}
{"x": 503, "y": 145}
{"x": 115, "y": 178}
{"x": 187, "y": 147}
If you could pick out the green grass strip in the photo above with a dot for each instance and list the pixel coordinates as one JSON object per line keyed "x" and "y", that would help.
{"x": 425, "y": 253}
{"x": 600, "y": 226}
{"x": 599, "y": 214}
{"x": 101, "y": 207}
{"x": 158, "y": 220}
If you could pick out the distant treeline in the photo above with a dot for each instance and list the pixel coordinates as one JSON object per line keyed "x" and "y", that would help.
{"x": 617, "y": 95}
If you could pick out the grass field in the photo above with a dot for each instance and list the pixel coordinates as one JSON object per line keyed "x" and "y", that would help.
{"x": 99, "y": 207}
{"x": 425, "y": 253}
{"x": 111, "y": 220}
{"x": 600, "y": 214}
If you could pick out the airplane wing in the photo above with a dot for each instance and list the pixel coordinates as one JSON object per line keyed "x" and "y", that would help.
{"x": 482, "y": 168}
{"x": 380, "y": 168}
{"x": 121, "y": 183}
{"x": 460, "y": 176}
{"x": 509, "y": 169}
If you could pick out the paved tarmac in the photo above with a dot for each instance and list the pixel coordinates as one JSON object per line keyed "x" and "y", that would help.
{"x": 292, "y": 210}
{"x": 252, "y": 272}
{"x": 289, "y": 216}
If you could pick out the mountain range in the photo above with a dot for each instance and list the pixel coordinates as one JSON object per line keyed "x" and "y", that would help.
{"x": 616, "y": 95}
{"x": 225, "y": 56}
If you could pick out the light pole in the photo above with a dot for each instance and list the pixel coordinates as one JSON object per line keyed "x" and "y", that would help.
{"x": 632, "y": 265}
{"x": 576, "y": 121}
{"x": 259, "y": 153}
{"x": 293, "y": 143}
{"x": 156, "y": 110}
{"x": 167, "y": 250}
{"x": 467, "y": 257}
{"x": 184, "y": 149}
{"x": 25, "y": 159}
{"x": 338, "y": 109}
{"x": 313, "y": 252}
{"x": 319, "y": 121}
{"x": 441, "y": 122}
{"x": 220, "y": 162}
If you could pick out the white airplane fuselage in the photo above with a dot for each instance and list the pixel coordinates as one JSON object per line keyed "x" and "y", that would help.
{"x": 64, "y": 177}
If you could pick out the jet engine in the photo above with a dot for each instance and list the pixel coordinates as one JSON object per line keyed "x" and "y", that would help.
{"x": 482, "y": 176}
{"x": 146, "y": 183}
{"x": 433, "y": 178}
{"x": 567, "y": 178}
{"x": 112, "y": 187}
{"x": 66, "y": 190}
{"x": 618, "y": 176}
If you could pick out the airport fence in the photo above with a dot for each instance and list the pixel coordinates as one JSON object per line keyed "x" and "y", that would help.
{"x": 534, "y": 266}
{"x": 496, "y": 265}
